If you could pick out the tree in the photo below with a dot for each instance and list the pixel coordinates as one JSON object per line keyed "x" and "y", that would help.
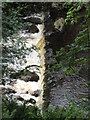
{"x": 72, "y": 60}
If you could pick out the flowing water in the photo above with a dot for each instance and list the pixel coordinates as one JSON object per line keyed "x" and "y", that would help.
{"x": 29, "y": 87}
{"x": 30, "y": 90}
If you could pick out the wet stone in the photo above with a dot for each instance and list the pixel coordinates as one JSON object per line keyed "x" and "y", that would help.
{"x": 11, "y": 91}
{"x": 20, "y": 98}
{"x": 68, "y": 91}
{"x": 32, "y": 29}
{"x": 31, "y": 77}
{"x": 25, "y": 78}
{"x": 33, "y": 20}
{"x": 26, "y": 92}
{"x": 36, "y": 93}
{"x": 32, "y": 101}
{"x": 34, "y": 77}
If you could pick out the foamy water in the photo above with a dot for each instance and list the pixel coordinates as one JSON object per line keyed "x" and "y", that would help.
{"x": 22, "y": 88}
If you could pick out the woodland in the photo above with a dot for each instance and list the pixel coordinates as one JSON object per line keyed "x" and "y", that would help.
{"x": 71, "y": 55}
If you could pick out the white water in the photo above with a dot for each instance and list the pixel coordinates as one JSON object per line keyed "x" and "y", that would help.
{"x": 33, "y": 58}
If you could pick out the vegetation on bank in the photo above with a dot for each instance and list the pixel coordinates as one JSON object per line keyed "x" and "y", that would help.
{"x": 74, "y": 57}
{"x": 69, "y": 57}
{"x": 12, "y": 111}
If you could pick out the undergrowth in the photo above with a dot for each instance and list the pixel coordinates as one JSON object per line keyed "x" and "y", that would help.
{"x": 13, "y": 111}
{"x": 73, "y": 57}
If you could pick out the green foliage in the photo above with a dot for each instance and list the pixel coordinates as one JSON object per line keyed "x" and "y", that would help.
{"x": 74, "y": 57}
{"x": 11, "y": 42}
{"x": 73, "y": 11}
{"x": 10, "y": 19}
{"x": 13, "y": 47}
{"x": 11, "y": 13}
{"x": 70, "y": 55}
{"x": 13, "y": 111}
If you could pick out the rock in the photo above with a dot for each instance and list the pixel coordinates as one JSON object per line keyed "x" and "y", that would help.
{"x": 20, "y": 98}
{"x": 61, "y": 74}
{"x": 2, "y": 89}
{"x": 27, "y": 92}
{"x": 3, "y": 82}
{"x": 59, "y": 24}
{"x": 67, "y": 90}
{"x": 34, "y": 77}
{"x": 32, "y": 29}
{"x": 33, "y": 20}
{"x": 25, "y": 78}
{"x": 36, "y": 93}
{"x": 10, "y": 91}
{"x": 32, "y": 101}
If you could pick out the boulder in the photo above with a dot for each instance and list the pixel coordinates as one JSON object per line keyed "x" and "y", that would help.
{"x": 20, "y": 98}
{"x": 34, "y": 77}
{"x": 25, "y": 78}
{"x": 30, "y": 77}
{"x": 37, "y": 93}
{"x": 32, "y": 101}
{"x": 59, "y": 24}
{"x": 32, "y": 29}
{"x": 33, "y": 20}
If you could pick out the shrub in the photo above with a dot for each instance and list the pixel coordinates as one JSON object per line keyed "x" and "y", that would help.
{"x": 13, "y": 111}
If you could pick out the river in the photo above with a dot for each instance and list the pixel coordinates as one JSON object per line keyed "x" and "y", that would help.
{"x": 29, "y": 86}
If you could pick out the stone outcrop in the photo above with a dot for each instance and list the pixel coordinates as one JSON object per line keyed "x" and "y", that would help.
{"x": 31, "y": 77}
{"x": 67, "y": 89}
{"x": 61, "y": 89}
{"x": 36, "y": 93}
{"x": 32, "y": 29}
{"x": 41, "y": 84}
{"x": 34, "y": 20}
{"x": 34, "y": 77}
{"x": 58, "y": 24}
